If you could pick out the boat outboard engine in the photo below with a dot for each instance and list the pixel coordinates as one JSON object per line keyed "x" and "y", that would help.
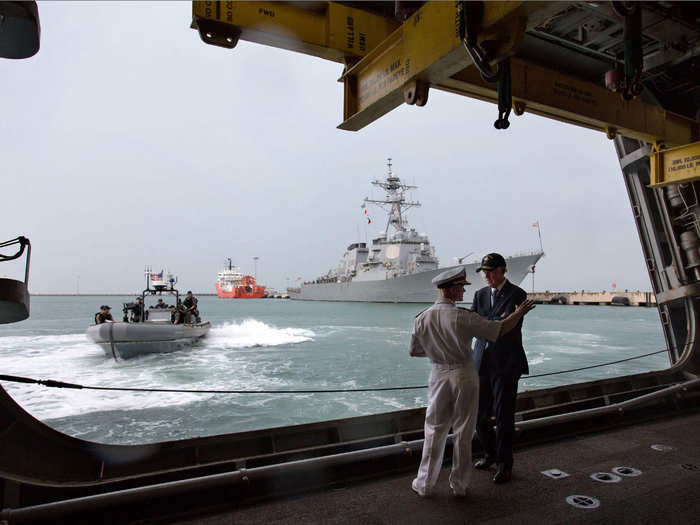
{"x": 128, "y": 307}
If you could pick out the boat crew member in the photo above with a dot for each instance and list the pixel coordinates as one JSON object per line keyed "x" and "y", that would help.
{"x": 443, "y": 333}
{"x": 190, "y": 304}
{"x": 161, "y": 303}
{"x": 500, "y": 364}
{"x": 184, "y": 315}
{"x": 137, "y": 311}
{"x": 176, "y": 317}
{"x": 104, "y": 315}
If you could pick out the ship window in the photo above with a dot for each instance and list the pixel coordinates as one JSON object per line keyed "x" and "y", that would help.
{"x": 393, "y": 251}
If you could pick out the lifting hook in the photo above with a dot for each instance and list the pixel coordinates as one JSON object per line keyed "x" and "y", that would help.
{"x": 416, "y": 92}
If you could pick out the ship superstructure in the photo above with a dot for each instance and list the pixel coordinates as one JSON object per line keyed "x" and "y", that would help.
{"x": 399, "y": 263}
{"x": 398, "y": 251}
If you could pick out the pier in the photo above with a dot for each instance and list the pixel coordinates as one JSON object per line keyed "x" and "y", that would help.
{"x": 603, "y": 298}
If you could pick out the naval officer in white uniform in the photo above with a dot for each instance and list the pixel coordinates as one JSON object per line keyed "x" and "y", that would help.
{"x": 443, "y": 333}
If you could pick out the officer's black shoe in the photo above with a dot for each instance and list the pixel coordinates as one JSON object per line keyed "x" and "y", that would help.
{"x": 502, "y": 475}
{"x": 483, "y": 463}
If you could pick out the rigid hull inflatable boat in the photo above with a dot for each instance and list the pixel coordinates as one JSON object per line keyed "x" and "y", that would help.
{"x": 149, "y": 330}
{"x": 154, "y": 335}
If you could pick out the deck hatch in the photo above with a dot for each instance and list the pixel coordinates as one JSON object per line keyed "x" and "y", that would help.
{"x": 555, "y": 473}
{"x": 583, "y": 502}
{"x": 605, "y": 477}
{"x": 629, "y": 472}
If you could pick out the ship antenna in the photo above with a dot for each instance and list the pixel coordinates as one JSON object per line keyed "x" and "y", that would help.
{"x": 394, "y": 202}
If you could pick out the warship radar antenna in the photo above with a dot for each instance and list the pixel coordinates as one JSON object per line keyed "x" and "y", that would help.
{"x": 394, "y": 203}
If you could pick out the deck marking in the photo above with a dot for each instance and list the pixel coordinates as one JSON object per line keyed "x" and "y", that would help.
{"x": 663, "y": 448}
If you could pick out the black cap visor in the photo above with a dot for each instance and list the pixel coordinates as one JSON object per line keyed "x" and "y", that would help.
{"x": 490, "y": 267}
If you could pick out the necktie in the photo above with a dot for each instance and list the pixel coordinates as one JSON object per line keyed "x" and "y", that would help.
{"x": 493, "y": 296}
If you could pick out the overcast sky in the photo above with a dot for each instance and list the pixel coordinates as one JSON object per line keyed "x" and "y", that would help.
{"x": 127, "y": 141}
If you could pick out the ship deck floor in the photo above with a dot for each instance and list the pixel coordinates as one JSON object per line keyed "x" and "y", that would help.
{"x": 664, "y": 492}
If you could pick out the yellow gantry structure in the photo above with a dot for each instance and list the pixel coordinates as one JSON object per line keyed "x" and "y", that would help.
{"x": 675, "y": 165}
{"x": 327, "y": 30}
{"x": 388, "y": 61}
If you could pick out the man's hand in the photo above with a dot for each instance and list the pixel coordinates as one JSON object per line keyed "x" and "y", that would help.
{"x": 513, "y": 319}
{"x": 525, "y": 307}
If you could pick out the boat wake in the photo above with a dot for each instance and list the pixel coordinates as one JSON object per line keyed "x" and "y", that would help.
{"x": 252, "y": 333}
{"x": 72, "y": 358}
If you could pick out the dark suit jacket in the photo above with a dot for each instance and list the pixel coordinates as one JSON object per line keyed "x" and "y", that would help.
{"x": 507, "y": 354}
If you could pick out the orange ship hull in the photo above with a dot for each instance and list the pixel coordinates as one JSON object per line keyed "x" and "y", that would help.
{"x": 247, "y": 290}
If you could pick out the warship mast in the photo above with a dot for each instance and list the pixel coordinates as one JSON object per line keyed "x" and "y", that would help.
{"x": 394, "y": 203}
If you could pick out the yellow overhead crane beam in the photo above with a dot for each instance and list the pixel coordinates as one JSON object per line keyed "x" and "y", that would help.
{"x": 675, "y": 165}
{"x": 425, "y": 50}
{"x": 548, "y": 93}
{"x": 326, "y": 29}
{"x": 389, "y": 63}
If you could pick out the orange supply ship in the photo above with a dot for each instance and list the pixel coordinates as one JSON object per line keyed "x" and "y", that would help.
{"x": 232, "y": 284}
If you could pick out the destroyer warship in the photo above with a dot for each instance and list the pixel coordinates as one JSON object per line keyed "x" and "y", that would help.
{"x": 399, "y": 264}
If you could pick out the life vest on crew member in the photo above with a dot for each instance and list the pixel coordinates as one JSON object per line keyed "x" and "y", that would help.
{"x": 137, "y": 313}
{"x": 101, "y": 318}
{"x": 176, "y": 316}
{"x": 189, "y": 302}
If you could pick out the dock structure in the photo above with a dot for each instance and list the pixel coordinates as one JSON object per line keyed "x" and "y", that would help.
{"x": 625, "y": 298}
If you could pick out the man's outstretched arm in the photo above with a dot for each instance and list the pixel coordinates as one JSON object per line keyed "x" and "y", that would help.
{"x": 513, "y": 319}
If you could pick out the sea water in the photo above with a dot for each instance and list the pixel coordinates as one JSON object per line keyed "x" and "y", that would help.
{"x": 271, "y": 344}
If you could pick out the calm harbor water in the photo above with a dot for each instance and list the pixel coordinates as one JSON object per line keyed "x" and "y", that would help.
{"x": 269, "y": 344}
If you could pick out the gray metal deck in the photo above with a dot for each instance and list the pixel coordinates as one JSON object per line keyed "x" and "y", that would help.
{"x": 664, "y": 492}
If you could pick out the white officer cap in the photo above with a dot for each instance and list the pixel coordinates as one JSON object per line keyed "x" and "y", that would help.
{"x": 451, "y": 277}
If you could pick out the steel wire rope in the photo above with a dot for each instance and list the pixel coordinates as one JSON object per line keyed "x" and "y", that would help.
{"x": 51, "y": 383}
{"x": 596, "y": 366}
{"x": 22, "y": 241}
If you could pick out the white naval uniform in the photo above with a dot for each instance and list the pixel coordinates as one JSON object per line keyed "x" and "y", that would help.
{"x": 443, "y": 333}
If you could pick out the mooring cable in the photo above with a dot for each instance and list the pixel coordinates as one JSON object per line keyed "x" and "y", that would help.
{"x": 596, "y": 366}
{"x": 51, "y": 383}
{"x": 61, "y": 384}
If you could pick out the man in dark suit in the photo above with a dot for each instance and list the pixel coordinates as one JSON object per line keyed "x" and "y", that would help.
{"x": 499, "y": 364}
